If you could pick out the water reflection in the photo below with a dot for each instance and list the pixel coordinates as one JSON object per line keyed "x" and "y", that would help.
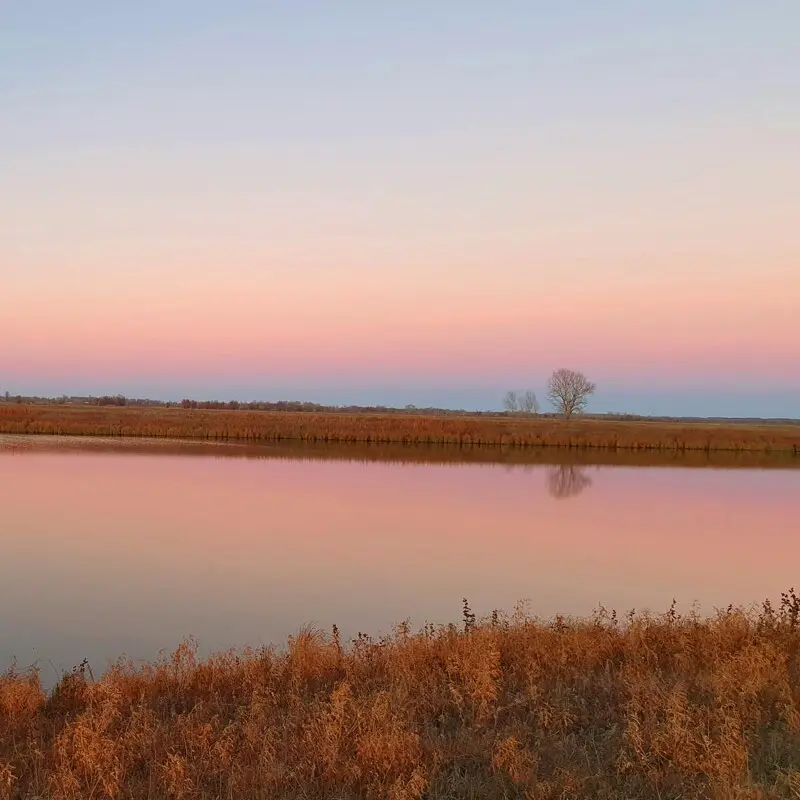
{"x": 515, "y": 457}
{"x": 567, "y": 481}
{"x": 105, "y": 551}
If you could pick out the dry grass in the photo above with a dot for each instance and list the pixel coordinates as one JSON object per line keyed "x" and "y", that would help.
{"x": 648, "y": 707}
{"x": 402, "y": 428}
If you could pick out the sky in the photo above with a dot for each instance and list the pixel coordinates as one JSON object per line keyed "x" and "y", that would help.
{"x": 426, "y": 203}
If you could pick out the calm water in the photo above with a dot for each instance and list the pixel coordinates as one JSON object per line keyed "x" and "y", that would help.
{"x": 106, "y": 550}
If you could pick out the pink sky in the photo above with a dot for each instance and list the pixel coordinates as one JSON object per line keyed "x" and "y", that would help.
{"x": 365, "y": 208}
{"x": 665, "y": 330}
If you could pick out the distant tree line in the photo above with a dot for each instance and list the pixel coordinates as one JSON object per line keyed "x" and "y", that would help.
{"x": 112, "y": 400}
{"x": 568, "y": 392}
{"x": 306, "y": 406}
{"x": 228, "y": 405}
{"x": 233, "y": 405}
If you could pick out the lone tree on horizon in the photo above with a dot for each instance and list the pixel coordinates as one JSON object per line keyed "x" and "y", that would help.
{"x": 569, "y": 391}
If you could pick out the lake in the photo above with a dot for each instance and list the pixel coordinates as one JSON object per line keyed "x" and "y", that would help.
{"x": 111, "y": 548}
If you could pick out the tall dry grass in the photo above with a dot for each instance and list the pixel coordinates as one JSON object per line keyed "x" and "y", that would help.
{"x": 663, "y": 706}
{"x": 401, "y": 428}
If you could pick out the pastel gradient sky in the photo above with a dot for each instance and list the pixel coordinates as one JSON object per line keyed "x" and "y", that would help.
{"x": 414, "y": 202}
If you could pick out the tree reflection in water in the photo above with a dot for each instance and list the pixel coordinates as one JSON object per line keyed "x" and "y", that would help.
{"x": 567, "y": 481}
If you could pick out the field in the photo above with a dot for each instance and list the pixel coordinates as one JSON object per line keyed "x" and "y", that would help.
{"x": 645, "y": 706}
{"x": 330, "y": 427}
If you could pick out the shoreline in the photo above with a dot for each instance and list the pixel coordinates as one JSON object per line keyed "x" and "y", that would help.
{"x": 641, "y": 705}
{"x": 489, "y": 455}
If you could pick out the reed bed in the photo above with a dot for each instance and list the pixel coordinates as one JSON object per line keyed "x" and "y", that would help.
{"x": 668, "y": 706}
{"x": 512, "y": 432}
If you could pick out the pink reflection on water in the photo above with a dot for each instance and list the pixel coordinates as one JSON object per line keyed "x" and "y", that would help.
{"x": 107, "y": 553}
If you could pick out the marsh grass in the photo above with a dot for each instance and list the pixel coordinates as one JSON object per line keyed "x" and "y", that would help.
{"x": 270, "y": 426}
{"x": 668, "y": 706}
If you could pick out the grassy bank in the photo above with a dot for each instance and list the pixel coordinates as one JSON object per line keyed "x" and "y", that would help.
{"x": 397, "y": 428}
{"x": 643, "y": 707}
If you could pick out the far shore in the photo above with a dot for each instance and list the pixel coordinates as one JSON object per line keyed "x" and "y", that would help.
{"x": 510, "y": 457}
{"x": 511, "y": 432}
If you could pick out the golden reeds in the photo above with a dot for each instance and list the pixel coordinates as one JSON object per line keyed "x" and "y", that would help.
{"x": 260, "y": 426}
{"x": 644, "y": 707}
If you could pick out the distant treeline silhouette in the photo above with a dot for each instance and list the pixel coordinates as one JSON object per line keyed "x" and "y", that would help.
{"x": 121, "y": 400}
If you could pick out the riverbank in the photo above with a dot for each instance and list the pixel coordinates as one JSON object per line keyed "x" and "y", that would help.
{"x": 377, "y": 453}
{"x": 507, "y": 431}
{"x": 639, "y": 707}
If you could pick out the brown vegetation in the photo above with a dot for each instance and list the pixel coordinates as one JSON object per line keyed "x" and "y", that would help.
{"x": 646, "y": 707}
{"x": 385, "y": 428}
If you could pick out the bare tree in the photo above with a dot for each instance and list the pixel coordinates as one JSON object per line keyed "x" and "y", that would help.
{"x": 569, "y": 391}
{"x": 528, "y": 403}
{"x": 511, "y": 402}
